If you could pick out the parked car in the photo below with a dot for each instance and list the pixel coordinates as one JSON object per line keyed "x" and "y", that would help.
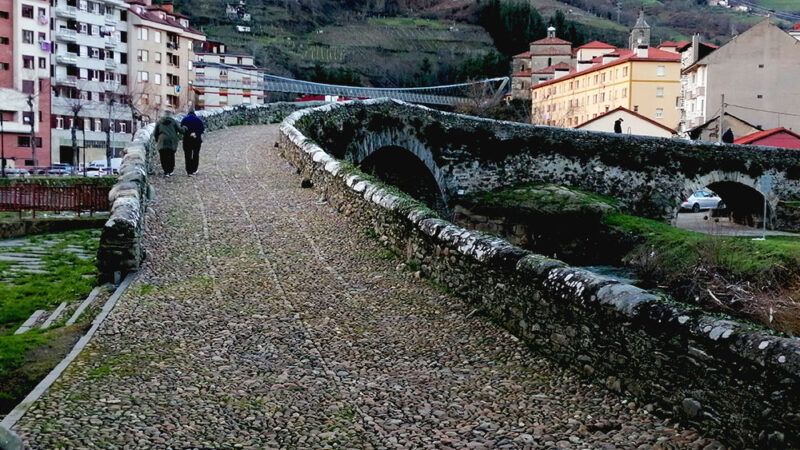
{"x": 96, "y": 172}
{"x": 17, "y": 173}
{"x": 58, "y": 172}
{"x": 703, "y": 199}
{"x": 115, "y": 164}
{"x": 68, "y": 168}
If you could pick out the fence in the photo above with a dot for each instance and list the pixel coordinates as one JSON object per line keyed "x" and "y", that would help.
{"x": 37, "y": 197}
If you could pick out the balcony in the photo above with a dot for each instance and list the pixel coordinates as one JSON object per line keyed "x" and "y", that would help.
{"x": 67, "y": 81}
{"x": 66, "y": 35}
{"x": 67, "y": 59}
{"x": 67, "y": 12}
{"x": 111, "y": 42}
{"x": 111, "y": 64}
{"x": 111, "y": 86}
{"x": 111, "y": 20}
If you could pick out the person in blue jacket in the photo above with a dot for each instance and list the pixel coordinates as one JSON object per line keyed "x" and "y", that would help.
{"x": 192, "y": 139}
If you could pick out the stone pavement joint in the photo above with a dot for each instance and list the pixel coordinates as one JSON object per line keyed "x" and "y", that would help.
{"x": 262, "y": 319}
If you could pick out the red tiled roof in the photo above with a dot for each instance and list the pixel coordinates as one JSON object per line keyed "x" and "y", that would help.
{"x": 552, "y": 69}
{"x": 551, "y": 51}
{"x": 635, "y": 114}
{"x": 524, "y": 55}
{"x": 758, "y": 135}
{"x": 149, "y": 14}
{"x": 551, "y": 41}
{"x": 653, "y": 54}
{"x": 524, "y": 73}
{"x": 597, "y": 45}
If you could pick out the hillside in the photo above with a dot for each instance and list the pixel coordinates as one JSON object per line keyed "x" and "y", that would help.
{"x": 413, "y": 42}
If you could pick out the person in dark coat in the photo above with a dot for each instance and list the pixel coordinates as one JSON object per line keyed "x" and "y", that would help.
{"x": 167, "y": 134}
{"x": 618, "y": 125}
{"x": 192, "y": 140}
{"x": 727, "y": 137}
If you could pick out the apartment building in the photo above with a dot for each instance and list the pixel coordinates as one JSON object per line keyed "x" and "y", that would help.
{"x": 25, "y": 82}
{"x": 225, "y": 79}
{"x": 645, "y": 81}
{"x": 161, "y": 46}
{"x": 90, "y": 80}
{"x": 757, "y": 74}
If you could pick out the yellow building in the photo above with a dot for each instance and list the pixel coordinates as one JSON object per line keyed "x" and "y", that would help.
{"x": 644, "y": 80}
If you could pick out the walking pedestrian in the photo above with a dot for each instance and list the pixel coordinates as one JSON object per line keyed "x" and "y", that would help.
{"x": 167, "y": 134}
{"x": 192, "y": 140}
{"x": 618, "y": 125}
{"x": 727, "y": 137}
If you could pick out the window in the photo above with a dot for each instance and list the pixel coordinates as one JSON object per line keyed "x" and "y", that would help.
{"x": 43, "y": 63}
{"x": 25, "y": 141}
{"x": 123, "y": 127}
{"x": 759, "y": 96}
{"x": 123, "y": 58}
{"x": 624, "y": 71}
{"x": 660, "y": 71}
{"x": 157, "y": 36}
{"x": 635, "y": 108}
{"x": 624, "y": 92}
{"x": 42, "y": 37}
{"x": 27, "y": 117}
{"x": 42, "y": 12}
{"x": 27, "y": 11}
{"x": 27, "y": 37}
{"x": 141, "y": 55}
{"x": 98, "y": 125}
{"x": 157, "y": 78}
{"x": 760, "y": 66}
{"x": 659, "y": 113}
{"x": 3, "y": 14}
{"x": 142, "y": 34}
{"x": 4, "y": 40}
{"x": 157, "y": 57}
{"x": 27, "y": 62}
{"x": 60, "y": 123}
{"x": 142, "y": 77}
{"x": 659, "y": 92}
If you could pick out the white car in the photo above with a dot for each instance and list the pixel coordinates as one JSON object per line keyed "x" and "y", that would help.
{"x": 92, "y": 172}
{"x": 703, "y": 199}
{"x": 17, "y": 173}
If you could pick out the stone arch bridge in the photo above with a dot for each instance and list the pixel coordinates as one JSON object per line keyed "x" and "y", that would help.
{"x": 650, "y": 176}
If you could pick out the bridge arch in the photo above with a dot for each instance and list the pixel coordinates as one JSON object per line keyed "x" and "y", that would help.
{"x": 739, "y": 192}
{"x": 390, "y": 152}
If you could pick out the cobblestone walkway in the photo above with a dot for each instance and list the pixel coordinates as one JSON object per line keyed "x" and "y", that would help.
{"x": 263, "y": 319}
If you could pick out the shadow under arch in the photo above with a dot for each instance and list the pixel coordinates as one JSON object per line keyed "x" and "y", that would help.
{"x": 399, "y": 167}
{"x": 743, "y": 204}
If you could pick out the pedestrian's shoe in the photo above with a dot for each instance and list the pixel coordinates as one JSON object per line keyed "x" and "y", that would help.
{"x": 191, "y": 174}
{"x": 168, "y": 174}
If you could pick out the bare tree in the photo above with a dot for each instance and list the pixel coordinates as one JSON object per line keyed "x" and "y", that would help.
{"x": 76, "y": 101}
{"x": 139, "y": 98}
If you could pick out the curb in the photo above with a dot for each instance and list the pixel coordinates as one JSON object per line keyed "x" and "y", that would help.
{"x": 19, "y": 411}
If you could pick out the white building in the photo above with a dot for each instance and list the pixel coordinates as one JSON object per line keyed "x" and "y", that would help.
{"x": 225, "y": 79}
{"x": 90, "y": 79}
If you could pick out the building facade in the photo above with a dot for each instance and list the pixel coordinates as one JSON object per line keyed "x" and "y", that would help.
{"x": 225, "y": 79}
{"x": 757, "y": 74}
{"x": 161, "y": 47}
{"x": 645, "y": 81}
{"x": 90, "y": 81}
{"x": 25, "y": 82}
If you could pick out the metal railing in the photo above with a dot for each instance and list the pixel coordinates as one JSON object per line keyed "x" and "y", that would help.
{"x": 37, "y": 197}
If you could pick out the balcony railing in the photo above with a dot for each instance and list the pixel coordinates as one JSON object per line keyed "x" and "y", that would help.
{"x": 111, "y": 86}
{"x": 111, "y": 20}
{"x": 67, "y": 81}
{"x": 67, "y": 35}
{"x": 111, "y": 42}
{"x": 111, "y": 64}
{"x": 67, "y": 12}
{"x": 67, "y": 58}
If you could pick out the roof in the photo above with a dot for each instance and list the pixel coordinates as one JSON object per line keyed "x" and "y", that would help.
{"x": 628, "y": 111}
{"x": 238, "y": 55}
{"x": 551, "y": 51}
{"x": 640, "y": 22}
{"x": 524, "y": 55}
{"x": 751, "y": 138}
{"x": 551, "y": 41}
{"x": 625, "y": 55}
{"x": 694, "y": 133}
{"x": 524, "y": 73}
{"x": 673, "y": 44}
{"x": 552, "y": 69}
{"x": 149, "y": 13}
{"x": 598, "y": 45}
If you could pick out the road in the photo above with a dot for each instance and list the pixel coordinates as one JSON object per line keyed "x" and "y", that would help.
{"x": 262, "y": 319}
{"x": 702, "y": 222}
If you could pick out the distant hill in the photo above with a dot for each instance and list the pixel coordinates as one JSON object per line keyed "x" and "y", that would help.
{"x": 416, "y": 42}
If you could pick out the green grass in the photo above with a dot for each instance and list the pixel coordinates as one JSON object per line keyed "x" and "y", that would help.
{"x": 407, "y": 22}
{"x": 780, "y": 5}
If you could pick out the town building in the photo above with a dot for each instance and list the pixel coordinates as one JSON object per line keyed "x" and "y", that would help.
{"x": 225, "y": 79}
{"x": 710, "y": 130}
{"x": 161, "y": 46}
{"x": 756, "y": 72}
{"x": 25, "y": 82}
{"x": 543, "y": 53}
{"x": 646, "y": 81}
{"x": 632, "y": 123}
{"x": 776, "y": 137}
{"x": 90, "y": 111}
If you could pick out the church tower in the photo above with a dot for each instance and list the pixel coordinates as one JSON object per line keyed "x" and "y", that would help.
{"x": 640, "y": 34}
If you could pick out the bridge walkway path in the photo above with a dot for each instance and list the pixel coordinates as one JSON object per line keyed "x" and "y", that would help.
{"x": 262, "y": 319}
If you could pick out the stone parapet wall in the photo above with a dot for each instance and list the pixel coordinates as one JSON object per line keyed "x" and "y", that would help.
{"x": 723, "y": 376}
{"x": 121, "y": 248}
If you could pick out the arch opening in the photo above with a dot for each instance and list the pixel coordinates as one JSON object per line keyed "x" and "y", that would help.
{"x": 723, "y": 207}
{"x": 403, "y": 169}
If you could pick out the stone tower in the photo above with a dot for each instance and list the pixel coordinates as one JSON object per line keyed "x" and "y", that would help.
{"x": 640, "y": 34}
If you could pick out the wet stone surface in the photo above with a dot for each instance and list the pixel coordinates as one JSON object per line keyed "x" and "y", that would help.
{"x": 262, "y": 319}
